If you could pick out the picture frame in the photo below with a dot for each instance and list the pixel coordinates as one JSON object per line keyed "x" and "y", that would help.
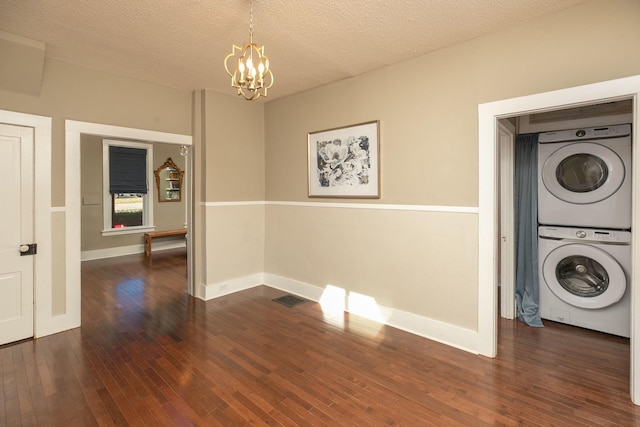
{"x": 345, "y": 161}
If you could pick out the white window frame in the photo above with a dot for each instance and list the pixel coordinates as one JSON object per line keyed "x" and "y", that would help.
{"x": 147, "y": 199}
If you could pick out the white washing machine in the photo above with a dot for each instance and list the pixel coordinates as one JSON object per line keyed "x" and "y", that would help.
{"x": 584, "y": 278}
{"x": 584, "y": 177}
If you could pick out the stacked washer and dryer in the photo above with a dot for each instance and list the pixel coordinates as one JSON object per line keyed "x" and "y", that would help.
{"x": 584, "y": 236}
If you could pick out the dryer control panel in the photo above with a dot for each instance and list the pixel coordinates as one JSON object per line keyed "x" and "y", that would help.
{"x": 615, "y": 131}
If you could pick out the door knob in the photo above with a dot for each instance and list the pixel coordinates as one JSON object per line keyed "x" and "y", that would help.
{"x": 30, "y": 249}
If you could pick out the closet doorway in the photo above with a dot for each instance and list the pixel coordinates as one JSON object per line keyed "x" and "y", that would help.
{"x": 489, "y": 114}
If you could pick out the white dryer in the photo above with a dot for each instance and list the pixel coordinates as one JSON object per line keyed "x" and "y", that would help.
{"x": 584, "y": 278}
{"x": 584, "y": 177}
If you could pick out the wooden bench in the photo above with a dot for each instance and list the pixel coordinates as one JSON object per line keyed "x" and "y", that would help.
{"x": 148, "y": 238}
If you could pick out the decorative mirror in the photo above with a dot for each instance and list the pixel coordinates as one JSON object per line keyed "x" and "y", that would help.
{"x": 169, "y": 182}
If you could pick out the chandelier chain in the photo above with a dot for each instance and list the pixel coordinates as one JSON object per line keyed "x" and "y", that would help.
{"x": 251, "y": 20}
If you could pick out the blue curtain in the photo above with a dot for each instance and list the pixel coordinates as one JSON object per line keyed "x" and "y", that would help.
{"x": 526, "y": 229}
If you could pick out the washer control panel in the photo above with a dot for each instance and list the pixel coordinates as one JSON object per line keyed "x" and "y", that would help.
{"x": 586, "y": 234}
{"x": 605, "y": 235}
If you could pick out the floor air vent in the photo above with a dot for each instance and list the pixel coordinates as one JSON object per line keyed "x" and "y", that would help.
{"x": 289, "y": 300}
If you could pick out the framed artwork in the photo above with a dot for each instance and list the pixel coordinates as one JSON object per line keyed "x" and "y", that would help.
{"x": 345, "y": 161}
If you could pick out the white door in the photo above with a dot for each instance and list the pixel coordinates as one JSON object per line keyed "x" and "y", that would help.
{"x": 16, "y": 229}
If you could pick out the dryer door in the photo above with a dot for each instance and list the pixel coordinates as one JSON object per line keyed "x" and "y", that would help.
{"x": 583, "y": 173}
{"x": 584, "y": 276}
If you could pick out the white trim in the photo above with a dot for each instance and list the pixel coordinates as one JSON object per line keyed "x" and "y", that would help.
{"x": 635, "y": 251}
{"x": 226, "y": 287}
{"x": 72, "y": 126}
{"x": 42, "y": 214}
{"x": 506, "y": 136}
{"x": 61, "y": 209}
{"x": 296, "y": 287}
{"x": 23, "y": 119}
{"x": 488, "y": 114}
{"x": 372, "y": 206}
{"x": 42, "y": 218}
{"x": 425, "y": 327}
{"x": 111, "y": 252}
{"x": 239, "y": 203}
{"x": 72, "y": 226}
{"x": 55, "y": 324}
{"x": 376, "y": 206}
{"x": 129, "y": 250}
{"x": 73, "y": 130}
{"x": 128, "y": 230}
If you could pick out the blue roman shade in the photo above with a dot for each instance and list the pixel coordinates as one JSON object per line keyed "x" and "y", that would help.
{"x": 127, "y": 170}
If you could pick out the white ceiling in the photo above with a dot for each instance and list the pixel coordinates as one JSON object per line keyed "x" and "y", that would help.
{"x": 182, "y": 43}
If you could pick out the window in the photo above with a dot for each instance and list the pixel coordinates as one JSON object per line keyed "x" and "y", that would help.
{"x": 127, "y": 194}
{"x": 127, "y": 210}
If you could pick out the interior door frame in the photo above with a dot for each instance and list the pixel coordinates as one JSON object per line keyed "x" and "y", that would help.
{"x": 73, "y": 132}
{"x": 44, "y": 322}
{"x": 488, "y": 116}
{"x": 506, "y": 141}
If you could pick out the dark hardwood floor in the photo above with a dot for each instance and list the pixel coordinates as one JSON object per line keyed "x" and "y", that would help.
{"x": 147, "y": 354}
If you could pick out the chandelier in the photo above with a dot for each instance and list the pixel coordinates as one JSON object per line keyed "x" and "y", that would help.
{"x": 252, "y": 76}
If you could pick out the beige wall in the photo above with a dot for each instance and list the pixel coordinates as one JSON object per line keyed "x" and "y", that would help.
{"x": 234, "y": 242}
{"x": 591, "y": 42}
{"x": 76, "y": 93}
{"x": 231, "y": 161}
{"x": 420, "y": 261}
{"x": 166, "y": 215}
{"x": 404, "y": 259}
{"x": 234, "y": 159}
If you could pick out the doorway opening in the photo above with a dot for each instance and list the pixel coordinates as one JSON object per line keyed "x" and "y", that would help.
{"x": 586, "y": 116}
{"x": 489, "y": 115}
{"x": 75, "y": 132}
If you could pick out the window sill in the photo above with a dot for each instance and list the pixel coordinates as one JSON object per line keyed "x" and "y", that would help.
{"x": 128, "y": 230}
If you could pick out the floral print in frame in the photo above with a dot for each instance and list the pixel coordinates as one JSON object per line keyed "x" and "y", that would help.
{"x": 344, "y": 162}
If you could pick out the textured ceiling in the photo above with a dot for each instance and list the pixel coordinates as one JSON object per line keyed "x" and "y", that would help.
{"x": 182, "y": 43}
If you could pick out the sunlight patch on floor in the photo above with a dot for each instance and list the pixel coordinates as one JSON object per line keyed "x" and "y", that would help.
{"x": 365, "y": 306}
{"x": 333, "y": 305}
{"x": 335, "y": 301}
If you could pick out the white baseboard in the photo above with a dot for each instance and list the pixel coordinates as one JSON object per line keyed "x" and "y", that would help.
{"x": 129, "y": 250}
{"x": 226, "y": 287}
{"x": 445, "y": 333}
{"x": 454, "y": 336}
{"x": 295, "y": 287}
